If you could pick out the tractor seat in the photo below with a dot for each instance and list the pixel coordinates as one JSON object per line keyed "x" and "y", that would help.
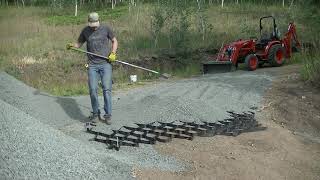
{"x": 265, "y": 39}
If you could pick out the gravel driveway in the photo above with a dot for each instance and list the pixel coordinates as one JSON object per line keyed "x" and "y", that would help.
{"x": 43, "y": 135}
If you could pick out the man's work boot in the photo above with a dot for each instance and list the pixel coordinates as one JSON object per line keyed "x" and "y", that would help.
{"x": 94, "y": 117}
{"x": 107, "y": 119}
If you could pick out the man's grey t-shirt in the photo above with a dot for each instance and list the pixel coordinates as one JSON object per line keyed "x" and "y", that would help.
{"x": 97, "y": 42}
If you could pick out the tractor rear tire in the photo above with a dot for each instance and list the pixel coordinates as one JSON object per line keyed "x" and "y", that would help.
{"x": 252, "y": 62}
{"x": 276, "y": 55}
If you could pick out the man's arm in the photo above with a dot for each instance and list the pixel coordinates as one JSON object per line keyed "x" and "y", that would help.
{"x": 113, "y": 55}
{"x": 74, "y": 45}
{"x": 77, "y": 44}
{"x": 114, "y": 45}
{"x": 81, "y": 40}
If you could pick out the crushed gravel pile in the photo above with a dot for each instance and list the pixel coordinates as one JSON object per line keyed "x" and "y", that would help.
{"x": 32, "y": 150}
{"x": 55, "y": 111}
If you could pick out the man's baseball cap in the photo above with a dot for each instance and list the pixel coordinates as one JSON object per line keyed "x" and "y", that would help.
{"x": 93, "y": 19}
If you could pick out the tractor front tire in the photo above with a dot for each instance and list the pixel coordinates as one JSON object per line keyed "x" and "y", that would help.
{"x": 252, "y": 62}
{"x": 276, "y": 55}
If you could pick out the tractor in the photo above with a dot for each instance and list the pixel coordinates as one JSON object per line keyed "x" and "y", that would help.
{"x": 255, "y": 52}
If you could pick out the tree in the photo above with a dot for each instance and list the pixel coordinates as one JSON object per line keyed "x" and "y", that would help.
{"x": 76, "y": 8}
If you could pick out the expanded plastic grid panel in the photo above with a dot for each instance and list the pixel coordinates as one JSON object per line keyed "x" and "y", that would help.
{"x": 164, "y": 132}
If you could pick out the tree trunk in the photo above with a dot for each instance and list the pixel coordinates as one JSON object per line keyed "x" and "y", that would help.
{"x": 201, "y": 19}
{"x": 291, "y": 4}
{"x": 222, "y": 1}
{"x": 76, "y": 8}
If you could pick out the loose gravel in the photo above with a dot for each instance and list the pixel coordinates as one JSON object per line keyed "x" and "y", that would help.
{"x": 57, "y": 122}
{"x": 204, "y": 98}
{"x": 32, "y": 150}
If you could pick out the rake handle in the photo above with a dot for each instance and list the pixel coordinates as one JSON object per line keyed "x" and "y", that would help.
{"x": 118, "y": 61}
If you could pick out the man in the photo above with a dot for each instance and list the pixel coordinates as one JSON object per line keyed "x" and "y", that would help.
{"x": 97, "y": 38}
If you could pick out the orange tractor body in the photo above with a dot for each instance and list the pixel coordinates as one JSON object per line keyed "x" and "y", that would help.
{"x": 254, "y": 52}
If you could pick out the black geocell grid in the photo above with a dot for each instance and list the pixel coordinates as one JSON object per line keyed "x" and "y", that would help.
{"x": 164, "y": 132}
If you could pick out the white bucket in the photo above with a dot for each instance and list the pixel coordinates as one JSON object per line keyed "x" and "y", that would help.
{"x": 133, "y": 78}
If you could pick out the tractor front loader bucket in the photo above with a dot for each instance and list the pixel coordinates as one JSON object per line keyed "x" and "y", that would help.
{"x": 212, "y": 67}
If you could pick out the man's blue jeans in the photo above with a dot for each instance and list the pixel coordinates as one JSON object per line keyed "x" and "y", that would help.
{"x": 104, "y": 73}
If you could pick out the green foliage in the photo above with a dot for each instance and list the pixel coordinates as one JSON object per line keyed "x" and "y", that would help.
{"x": 311, "y": 68}
{"x": 173, "y": 21}
{"x": 158, "y": 19}
{"x": 174, "y": 24}
{"x": 179, "y": 30}
{"x": 246, "y": 28}
{"x": 297, "y": 58}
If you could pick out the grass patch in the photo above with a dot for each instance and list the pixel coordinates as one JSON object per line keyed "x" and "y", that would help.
{"x": 105, "y": 14}
{"x": 297, "y": 58}
{"x": 68, "y": 90}
{"x": 311, "y": 68}
{"x": 188, "y": 71}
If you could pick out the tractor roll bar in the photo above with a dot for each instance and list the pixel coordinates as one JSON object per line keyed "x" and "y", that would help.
{"x": 274, "y": 23}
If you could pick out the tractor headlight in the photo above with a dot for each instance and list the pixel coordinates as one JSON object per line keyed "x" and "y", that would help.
{"x": 229, "y": 51}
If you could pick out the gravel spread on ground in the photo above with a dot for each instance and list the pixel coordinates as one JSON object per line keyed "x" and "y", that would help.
{"x": 43, "y": 135}
{"x": 32, "y": 150}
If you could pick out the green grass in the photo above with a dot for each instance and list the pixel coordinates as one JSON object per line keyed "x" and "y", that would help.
{"x": 311, "y": 69}
{"x": 105, "y": 14}
{"x": 67, "y": 90}
{"x": 187, "y": 71}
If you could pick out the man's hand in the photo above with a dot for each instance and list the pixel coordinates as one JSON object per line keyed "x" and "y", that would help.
{"x": 69, "y": 46}
{"x": 112, "y": 57}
